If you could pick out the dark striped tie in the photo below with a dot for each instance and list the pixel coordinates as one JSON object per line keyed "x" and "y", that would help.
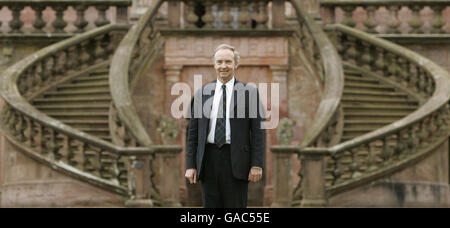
{"x": 220, "y": 133}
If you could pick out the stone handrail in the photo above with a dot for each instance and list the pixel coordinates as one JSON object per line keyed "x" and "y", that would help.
{"x": 389, "y": 148}
{"x": 394, "y": 22}
{"x": 50, "y": 141}
{"x": 59, "y": 7}
{"x": 123, "y": 70}
{"x": 330, "y": 68}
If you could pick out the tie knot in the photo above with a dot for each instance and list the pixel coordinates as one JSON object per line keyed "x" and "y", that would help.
{"x": 223, "y": 86}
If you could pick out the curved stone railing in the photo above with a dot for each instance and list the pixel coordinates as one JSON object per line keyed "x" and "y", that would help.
{"x": 126, "y": 65}
{"x": 320, "y": 51}
{"x": 133, "y": 56}
{"x": 58, "y": 26}
{"x": 391, "y": 148}
{"x": 48, "y": 140}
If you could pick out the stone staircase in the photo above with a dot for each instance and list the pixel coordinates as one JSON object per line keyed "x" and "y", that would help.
{"x": 370, "y": 104}
{"x": 82, "y": 103}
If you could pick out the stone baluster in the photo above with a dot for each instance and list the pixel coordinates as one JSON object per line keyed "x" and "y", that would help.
{"x": 348, "y": 10}
{"x": 244, "y": 18}
{"x": 438, "y": 22}
{"x": 77, "y": 158}
{"x": 99, "y": 51}
{"x": 208, "y": 18}
{"x": 226, "y": 18}
{"x": 28, "y": 131}
{"x": 39, "y": 137}
{"x": 366, "y": 57}
{"x": 16, "y": 24}
{"x": 355, "y": 165}
{"x": 386, "y": 152}
{"x": 92, "y": 160}
{"x": 380, "y": 64}
{"x": 63, "y": 154}
{"x": 84, "y": 55}
{"x": 191, "y": 17}
{"x": 101, "y": 20}
{"x": 81, "y": 22}
{"x": 416, "y": 22}
{"x": 423, "y": 134}
{"x": 262, "y": 17}
{"x": 351, "y": 54}
{"x": 372, "y": 158}
{"x": 370, "y": 22}
{"x": 59, "y": 24}
{"x": 38, "y": 23}
{"x": 394, "y": 22}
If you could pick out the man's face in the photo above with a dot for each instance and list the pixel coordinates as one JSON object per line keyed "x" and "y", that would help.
{"x": 224, "y": 65}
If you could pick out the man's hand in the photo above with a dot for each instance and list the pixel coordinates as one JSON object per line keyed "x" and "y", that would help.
{"x": 191, "y": 175}
{"x": 255, "y": 174}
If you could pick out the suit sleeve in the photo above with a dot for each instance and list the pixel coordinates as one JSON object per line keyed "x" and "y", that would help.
{"x": 258, "y": 135}
{"x": 192, "y": 141}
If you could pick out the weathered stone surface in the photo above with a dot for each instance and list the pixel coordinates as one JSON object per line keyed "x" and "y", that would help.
{"x": 422, "y": 185}
{"x": 31, "y": 184}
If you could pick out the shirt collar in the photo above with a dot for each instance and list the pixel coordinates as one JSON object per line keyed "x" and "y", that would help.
{"x": 229, "y": 84}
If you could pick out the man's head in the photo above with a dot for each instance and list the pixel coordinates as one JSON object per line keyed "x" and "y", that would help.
{"x": 226, "y": 61}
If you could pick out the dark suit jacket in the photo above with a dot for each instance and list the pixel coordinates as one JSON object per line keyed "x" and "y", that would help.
{"x": 247, "y": 137}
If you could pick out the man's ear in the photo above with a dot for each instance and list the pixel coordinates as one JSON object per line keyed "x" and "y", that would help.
{"x": 236, "y": 67}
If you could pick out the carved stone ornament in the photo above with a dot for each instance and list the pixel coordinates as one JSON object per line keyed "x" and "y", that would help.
{"x": 168, "y": 130}
{"x": 285, "y": 131}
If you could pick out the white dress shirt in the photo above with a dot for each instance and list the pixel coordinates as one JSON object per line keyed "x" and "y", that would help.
{"x": 215, "y": 108}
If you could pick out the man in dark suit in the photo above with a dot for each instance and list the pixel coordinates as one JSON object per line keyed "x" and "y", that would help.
{"x": 226, "y": 143}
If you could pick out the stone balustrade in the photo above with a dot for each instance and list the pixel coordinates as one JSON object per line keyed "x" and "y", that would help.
{"x": 226, "y": 14}
{"x": 69, "y": 15}
{"x": 390, "y": 17}
{"x": 384, "y": 151}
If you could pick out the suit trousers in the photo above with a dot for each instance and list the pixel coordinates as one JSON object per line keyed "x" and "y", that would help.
{"x": 219, "y": 187}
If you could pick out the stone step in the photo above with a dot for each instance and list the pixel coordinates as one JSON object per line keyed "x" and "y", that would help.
{"x": 387, "y": 108}
{"x": 352, "y": 72}
{"x": 379, "y": 105}
{"x": 379, "y": 100}
{"x": 364, "y": 115}
{"x": 366, "y": 123}
{"x": 355, "y": 79}
{"x": 79, "y": 115}
{"x": 368, "y": 87}
{"x": 89, "y": 100}
{"x": 78, "y": 94}
{"x": 73, "y": 108}
{"x": 91, "y": 83}
{"x": 373, "y": 93}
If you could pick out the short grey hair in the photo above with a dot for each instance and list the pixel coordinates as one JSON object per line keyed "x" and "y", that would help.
{"x": 237, "y": 57}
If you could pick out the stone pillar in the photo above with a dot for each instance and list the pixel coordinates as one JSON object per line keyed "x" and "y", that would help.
{"x": 169, "y": 170}
{"x": 280, "y": 75}
{"x": 282, "y": 175}
{"x": 139, "y": 183}
{"x": 172, "y": 77}
{"x": 313, "y": 166}
{"x": 278, "y": 14}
